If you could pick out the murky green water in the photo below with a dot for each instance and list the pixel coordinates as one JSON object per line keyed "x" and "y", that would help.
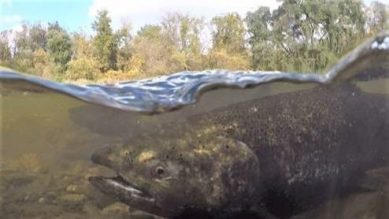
{"x": 47, "y": 141}
{"x": 373, "y": 202}
{"x": 48, "y": 138}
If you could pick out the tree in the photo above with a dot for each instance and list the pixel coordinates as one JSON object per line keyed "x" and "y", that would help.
{"x": 83, "y": 65}
{"x": 228, "y": 33}
{"x": 59, "y": 46}
{"x": 300, "y": 35}
{"x": 124, "y": 55}
{"x": 37, "y": 36}
{"x": 23, "y": 50}
{"x": 42, "y": 64}
{"x": 304, "y": 35}
{"x": 30, "y": 52}
{"x": 183, "y": 32}
{"x": 104, "y": 42}
{"x": 151, "y": 49}
{"x": 260, "y": 38}
{"x": 377, "y": 17}
{"x": 228, "y": 49}
{"x": 5, "y": 51}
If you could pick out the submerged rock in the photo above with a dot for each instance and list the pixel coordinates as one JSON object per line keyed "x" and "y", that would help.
{"x": 116, "y": 208}
{"x": 73, "y": 198}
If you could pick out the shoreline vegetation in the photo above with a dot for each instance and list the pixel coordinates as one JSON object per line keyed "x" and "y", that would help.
{"x": 299, "y": 36}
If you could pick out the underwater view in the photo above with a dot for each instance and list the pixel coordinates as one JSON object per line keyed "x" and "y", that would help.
{"x": 209, "y": 144}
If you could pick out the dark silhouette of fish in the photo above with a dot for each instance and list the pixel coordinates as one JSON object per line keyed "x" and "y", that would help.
{"x": 271, "y": 157}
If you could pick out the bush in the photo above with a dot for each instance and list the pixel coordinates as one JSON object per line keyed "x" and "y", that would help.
{"x": 82, "y": 68}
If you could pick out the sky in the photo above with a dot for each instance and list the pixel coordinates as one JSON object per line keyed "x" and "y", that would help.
{"x": 76, "y": 15}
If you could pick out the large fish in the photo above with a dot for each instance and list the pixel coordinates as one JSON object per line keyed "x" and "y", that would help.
{"x": 274, "y": 156}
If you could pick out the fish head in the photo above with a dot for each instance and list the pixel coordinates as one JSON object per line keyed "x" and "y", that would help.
{"x": 176, "y": 175}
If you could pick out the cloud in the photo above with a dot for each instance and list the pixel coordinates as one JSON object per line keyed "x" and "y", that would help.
{"x": 144, "y": 12}
{"x": 5, "y": 2}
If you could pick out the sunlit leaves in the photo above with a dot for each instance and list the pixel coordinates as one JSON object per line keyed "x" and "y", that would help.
{"x": 299, "y": 36}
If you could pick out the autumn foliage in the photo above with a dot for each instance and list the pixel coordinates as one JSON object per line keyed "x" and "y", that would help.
{"x": 302, "y": 36}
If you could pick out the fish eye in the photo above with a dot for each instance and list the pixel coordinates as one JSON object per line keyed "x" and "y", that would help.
{"x": 160, "y": 171}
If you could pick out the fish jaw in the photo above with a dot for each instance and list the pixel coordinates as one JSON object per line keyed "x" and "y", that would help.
{"x": 128, "y": 193}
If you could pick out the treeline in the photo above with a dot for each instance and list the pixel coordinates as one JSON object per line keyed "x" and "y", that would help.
{"x": 301, "y": 35}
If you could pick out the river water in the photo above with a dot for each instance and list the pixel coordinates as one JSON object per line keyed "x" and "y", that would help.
{"x": 49, "y": 131}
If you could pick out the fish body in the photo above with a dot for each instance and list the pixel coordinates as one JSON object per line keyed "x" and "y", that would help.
{"x": 277, "y": 155}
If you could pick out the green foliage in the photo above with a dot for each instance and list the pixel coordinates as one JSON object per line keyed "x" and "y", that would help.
{"x": 305, "y": 36}
{"x": 81, "y": 68}
{"x": 173, "y": 46}
{"x": 221, "y": 59}
{"x": 377, "y": 17}
{"x": 229, "y": 33}
{"x": 151, "y": 47}
{"x": 5, "y": 51}
{"x": 83, "y": 64}
{"x": 24, "y": 48}
{"x": 260, "y": 40}
{"x": 105, "y": 42}
{"x": 228, "y": 37}
{"x": 124, "y": 55}
{"x": 300, "y": 36}
{"x": 37, "y": 37}
{"x": 59, "y": 46}
{"x": 183, "y": 33}
{"x": 42, "y": 64}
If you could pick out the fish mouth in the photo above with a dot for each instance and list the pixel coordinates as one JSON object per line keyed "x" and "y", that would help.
{"x": 128, "y": 193}
{"x": 117, "y": 184}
